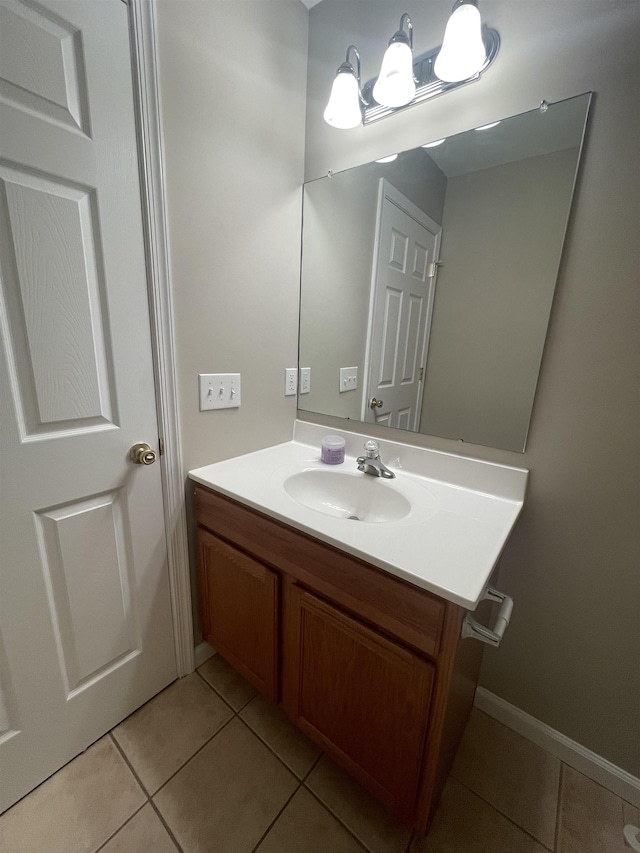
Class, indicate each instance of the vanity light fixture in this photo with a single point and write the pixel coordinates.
(344, 109)
(396, 86)
(463, 51)
(388, 159)
(434, 144)
(467, 51)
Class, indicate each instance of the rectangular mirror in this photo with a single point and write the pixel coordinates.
(427, 282)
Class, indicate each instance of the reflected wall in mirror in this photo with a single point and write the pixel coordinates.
(434, 275)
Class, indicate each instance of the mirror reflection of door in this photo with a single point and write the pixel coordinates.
(406, 252)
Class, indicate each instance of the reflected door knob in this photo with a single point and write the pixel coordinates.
(375, 404)
(142, 454)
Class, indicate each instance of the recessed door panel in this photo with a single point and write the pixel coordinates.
(41, 67)
(411, 344)
(389, 343)
(53, 293)
(87, 563)
(399, 246)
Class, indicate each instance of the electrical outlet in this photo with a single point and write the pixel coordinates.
(219, 391)
(290, 381)
(305, 380)
(348, 379)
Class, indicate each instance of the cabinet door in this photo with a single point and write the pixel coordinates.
(362, 697)
(239, 597)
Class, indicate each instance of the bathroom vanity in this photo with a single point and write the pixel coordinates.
(322, 614)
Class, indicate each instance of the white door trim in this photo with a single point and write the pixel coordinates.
(151, 157)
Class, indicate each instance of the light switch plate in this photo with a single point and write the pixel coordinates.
(219, 391)
(348, 379)
(305, 380)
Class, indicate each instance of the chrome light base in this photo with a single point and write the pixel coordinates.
(428, 85)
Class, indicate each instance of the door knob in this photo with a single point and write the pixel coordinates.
(375, 404)
(142, 454)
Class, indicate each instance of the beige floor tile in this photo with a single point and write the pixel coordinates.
(275, 729)
(230, 685)
(464, 823)
(144, 833)
(365, 817)
(512, 774)
(226, 797)
(591, 818)
(77, 809)
(159, 737)
(307, 827)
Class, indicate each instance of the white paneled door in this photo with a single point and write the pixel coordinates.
(405, 261)
(85, 617)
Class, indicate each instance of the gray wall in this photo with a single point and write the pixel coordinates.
(337, 257)
(233, 78)
(502, 235)
(570, 656)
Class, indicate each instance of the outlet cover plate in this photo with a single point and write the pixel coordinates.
(219, 391)
(305, 380)
(290, 381)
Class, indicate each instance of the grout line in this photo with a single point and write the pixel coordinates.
(166, 825)
(218, 694)
(129, 764)
(191, 757)
(312, 768)
(556, 837)
(273, 822)
(505, 816)
(340, 821)
(128, 820)
(279, 757)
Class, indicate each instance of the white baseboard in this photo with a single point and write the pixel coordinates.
(603, 772)
(202, 653)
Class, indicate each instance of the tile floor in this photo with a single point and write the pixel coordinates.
(208, 766)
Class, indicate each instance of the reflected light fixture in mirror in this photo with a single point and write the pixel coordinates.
(463, 52)
(468, 50)
(396, 86)
(344, 109)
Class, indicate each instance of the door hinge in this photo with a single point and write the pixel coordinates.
(161, 446)
(421, 374)
(433, 268)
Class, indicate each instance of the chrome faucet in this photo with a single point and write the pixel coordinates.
(371, 463)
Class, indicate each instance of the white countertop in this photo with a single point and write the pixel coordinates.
(463, 510)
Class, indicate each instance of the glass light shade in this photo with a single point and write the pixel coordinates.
(395, 85)
(463, 52)
(343, 108)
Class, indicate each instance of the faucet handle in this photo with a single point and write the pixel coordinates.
(371, 449)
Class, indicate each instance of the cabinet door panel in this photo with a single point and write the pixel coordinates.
(240, 611)
(364, 698)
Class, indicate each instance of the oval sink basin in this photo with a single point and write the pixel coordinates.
(359, 497)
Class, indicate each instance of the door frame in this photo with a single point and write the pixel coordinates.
(144, 62)
(386, 190)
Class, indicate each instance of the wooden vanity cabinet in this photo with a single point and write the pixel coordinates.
(371, 668)
(240, 610)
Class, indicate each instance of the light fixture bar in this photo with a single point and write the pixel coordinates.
(428, 85)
